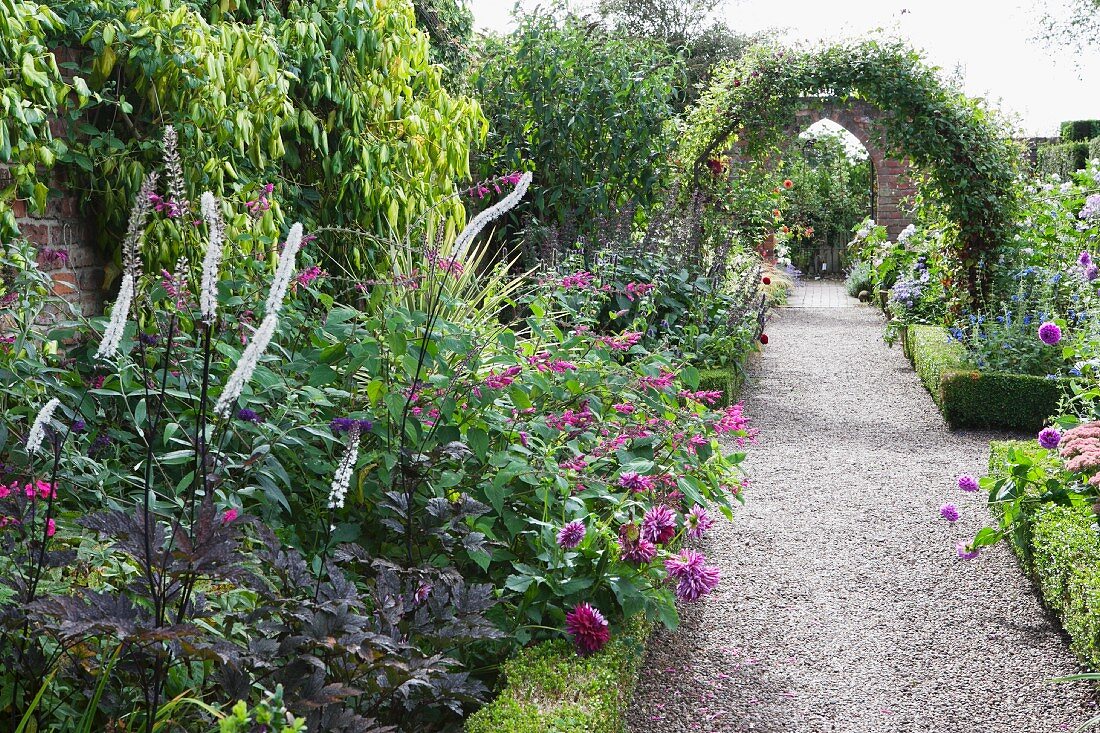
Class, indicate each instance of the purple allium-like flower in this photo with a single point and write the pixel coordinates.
(588, 628)
(1049, 438)
(949, 512)
(968, 483)
(694, 578)
(1049, 333)
(78, 426)
(698, 521)
(1092, 272)
(100, 444)
(633, 548)
(571, 534)
(1084, 259)
(965, 552)
(148, 339)
(659, 525)
(248, 415)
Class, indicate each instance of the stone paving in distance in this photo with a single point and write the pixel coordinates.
(843, 607)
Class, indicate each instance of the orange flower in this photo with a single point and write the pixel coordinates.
(786, 229)
(809, 231)
(777, 213)
(788, 183)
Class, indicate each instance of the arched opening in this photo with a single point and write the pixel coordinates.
(833, 190)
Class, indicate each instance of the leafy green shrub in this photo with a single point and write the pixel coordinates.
(858, 278)
(548, 688)
(585, 109)
(1094, 149)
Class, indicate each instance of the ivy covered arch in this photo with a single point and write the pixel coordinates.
(964, 153)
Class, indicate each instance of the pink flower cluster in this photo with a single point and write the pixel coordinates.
(579, 280)
(633, 547)
(707, 397)
(543, 362)
(620, 342)
(165, 205)
(38, 490)
(638, 290)
(664, 381)
(451, 266)
(503, 379)
(659, 525)
(632, 481)
(305, 277)
(480, 189)
(260, 204)
(572, 419)
(1080, 450)
(734, 421)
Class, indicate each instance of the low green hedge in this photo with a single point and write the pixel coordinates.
(932, 355)
(1062, 556)
(728, 380)
(549, 689)
(969, 398)
(1094, 149)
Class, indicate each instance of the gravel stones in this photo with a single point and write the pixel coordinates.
(843, 606)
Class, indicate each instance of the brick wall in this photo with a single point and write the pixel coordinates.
(66, 247)
(893, 189)
(65, 240)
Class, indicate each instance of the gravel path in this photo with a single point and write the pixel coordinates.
(842, 605)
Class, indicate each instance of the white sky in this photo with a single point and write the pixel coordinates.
(989, 42)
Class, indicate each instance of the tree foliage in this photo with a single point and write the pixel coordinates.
(336, 102)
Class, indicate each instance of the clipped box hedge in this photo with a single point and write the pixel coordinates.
(1062, 556)
(969, 398)
(729, 380)
(549, 689)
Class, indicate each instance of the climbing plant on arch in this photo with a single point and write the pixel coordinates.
(963, 152)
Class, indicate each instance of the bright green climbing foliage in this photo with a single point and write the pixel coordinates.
(963, 150)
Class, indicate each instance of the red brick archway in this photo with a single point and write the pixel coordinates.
(893, 189)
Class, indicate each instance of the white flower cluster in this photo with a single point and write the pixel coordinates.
(211, 263)
(480, 221)
(262, 337)
(38, 427)
(906, 233)
(341, 480)
(112, 336)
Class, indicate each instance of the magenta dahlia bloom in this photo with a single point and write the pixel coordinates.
(1049, 438)
(949, 512)
(659, 525)
(694, 578)
(968, 483)
(588, 628)
(633, 548)
(698, 521)
(965, 551)
(633, 482)
(1049, 333)
(571, 534)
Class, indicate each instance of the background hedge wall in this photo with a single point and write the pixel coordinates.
(1063, 159)
(1080, 130)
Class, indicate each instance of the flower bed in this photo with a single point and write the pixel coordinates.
(1058, 546)
(969, 398)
